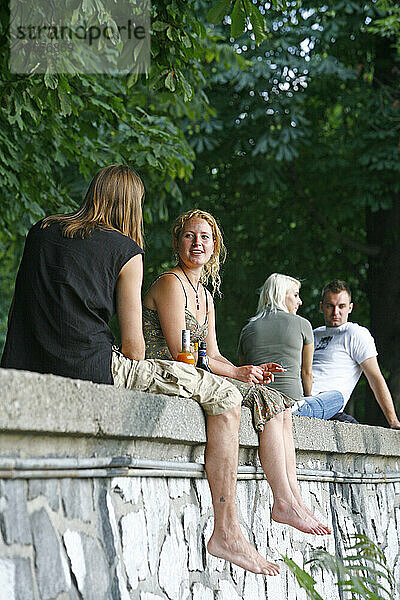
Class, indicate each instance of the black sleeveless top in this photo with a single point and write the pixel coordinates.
(64, 299)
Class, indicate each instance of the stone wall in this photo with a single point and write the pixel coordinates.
(103, 496)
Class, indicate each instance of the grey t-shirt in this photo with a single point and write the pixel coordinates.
(277, 337)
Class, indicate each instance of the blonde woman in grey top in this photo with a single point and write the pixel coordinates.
(277, 334)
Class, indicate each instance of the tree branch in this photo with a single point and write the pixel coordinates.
(366, 249)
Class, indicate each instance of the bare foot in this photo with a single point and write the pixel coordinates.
(324, 528)
(295, 515)
(239, 551)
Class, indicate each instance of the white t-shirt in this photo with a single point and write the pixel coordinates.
(338, 353)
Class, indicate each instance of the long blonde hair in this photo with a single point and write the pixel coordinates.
(211, 269)
(273, 294)
(113, 201)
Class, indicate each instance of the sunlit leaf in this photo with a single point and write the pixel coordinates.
(238, 17)
(218, 11)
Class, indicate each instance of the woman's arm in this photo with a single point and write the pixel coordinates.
(129, 308)
(306, 368)
(221, 365)
(168, 298)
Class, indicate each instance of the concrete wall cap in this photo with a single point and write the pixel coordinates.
(48, 404)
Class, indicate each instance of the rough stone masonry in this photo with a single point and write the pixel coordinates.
(103, 496)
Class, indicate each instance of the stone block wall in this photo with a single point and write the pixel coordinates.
(103, 496)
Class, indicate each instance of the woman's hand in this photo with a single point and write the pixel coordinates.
(272, 367)
(269, 369)
(249, 374)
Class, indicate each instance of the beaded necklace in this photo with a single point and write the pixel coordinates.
(196, 290)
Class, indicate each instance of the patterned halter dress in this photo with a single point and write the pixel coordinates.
(263, 402)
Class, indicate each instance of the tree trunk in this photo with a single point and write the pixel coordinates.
(383, 280)
(383, 291)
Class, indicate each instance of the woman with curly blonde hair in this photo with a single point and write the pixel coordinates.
(178, 300)
(211, 269)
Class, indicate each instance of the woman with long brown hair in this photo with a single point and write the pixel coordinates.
(64, 293)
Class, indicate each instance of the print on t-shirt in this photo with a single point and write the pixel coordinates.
(323, 343)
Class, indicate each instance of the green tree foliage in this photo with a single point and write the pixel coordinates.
(56, 121)
(57, 130)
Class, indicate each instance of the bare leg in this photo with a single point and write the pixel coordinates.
(291, 466)
(272, 452)
(227, 540)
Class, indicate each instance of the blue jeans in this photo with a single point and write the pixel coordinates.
(322, 406)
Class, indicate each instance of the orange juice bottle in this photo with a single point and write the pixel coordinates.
(186, 356)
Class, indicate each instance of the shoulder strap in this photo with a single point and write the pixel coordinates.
(205, 291)
(177, 276)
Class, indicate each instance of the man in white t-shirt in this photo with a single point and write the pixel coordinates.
(344, 350)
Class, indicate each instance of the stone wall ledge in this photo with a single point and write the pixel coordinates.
(103, 495)
(48, 406)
